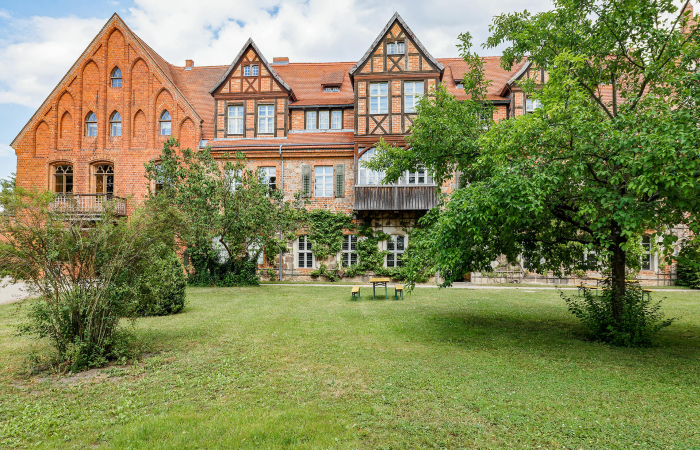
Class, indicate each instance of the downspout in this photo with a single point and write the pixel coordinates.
(282, 189)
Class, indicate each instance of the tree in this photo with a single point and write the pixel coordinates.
(73, 263)
(612, 152)
(224, 208)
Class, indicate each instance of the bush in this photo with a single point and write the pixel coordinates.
(688, 269)
(209, 271)
(639, 321)
(160, 289)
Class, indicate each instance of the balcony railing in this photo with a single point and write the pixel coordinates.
(394, 198)
(88, 204)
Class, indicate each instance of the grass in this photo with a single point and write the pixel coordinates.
(287, 367)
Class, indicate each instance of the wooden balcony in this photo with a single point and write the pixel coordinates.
(394, 198)
(88, 204)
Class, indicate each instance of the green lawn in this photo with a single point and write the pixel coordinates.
(279, 367)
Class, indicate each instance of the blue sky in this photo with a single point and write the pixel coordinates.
(40, 40)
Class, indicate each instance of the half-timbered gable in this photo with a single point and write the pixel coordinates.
(390, 77)
(251, 98)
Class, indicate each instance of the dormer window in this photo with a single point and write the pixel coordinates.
(250, 71)
(459, 85)
(331, 89)
(395, 48)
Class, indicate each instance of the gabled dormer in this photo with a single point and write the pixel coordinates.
(396, 50)
(252, 100)
(520, 101)
(389, 79)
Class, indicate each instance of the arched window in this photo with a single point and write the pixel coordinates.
(63, 179)
(367, 176)
(104, 179)
(165, 123)
(116, 77)
(91, 125)
(115, 124)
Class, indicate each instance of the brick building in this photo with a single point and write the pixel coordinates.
(304, 124)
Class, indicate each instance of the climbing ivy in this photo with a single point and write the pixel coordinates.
(326, 231)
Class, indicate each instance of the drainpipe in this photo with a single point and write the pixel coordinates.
(282, 189)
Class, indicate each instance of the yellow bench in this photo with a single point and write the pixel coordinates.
(398, 288)
(355, 291)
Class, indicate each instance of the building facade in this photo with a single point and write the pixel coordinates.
(306, 126)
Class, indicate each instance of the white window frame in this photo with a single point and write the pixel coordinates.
(115, 124)
(532, 104)
(412, 92)
(395, 256)
(337, 119)
(323, 181)
(324, 120)
(647, 262)
(246, 71)
(396, 48)
(367, 177)
(305, 257)
(233, 179)
(234, 120)
(254, 70)
(328, 89)
(311, 120)
(349, 251)
(420, 177)
(268, 174)
(379, 98)
(267, 120)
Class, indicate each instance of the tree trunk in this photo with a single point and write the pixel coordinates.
(618, 265)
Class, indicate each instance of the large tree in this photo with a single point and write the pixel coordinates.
(227, 211)
(611, 153)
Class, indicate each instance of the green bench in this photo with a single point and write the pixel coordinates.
(398, 288)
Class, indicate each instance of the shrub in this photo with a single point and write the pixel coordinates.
(160, 288)
(688, 269)
(639, 320)
(209, 271)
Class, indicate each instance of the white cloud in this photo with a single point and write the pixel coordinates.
(39, 51)
(6, 151)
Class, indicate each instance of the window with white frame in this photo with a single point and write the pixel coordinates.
(305, 256)
(349, 250)
(165, 124)
(421, 176)
(254, 70)
(378, 98)
(324, 120)
(269, 176)
(115, 124)
(412, 91)
(328, 89)
(235, 120)
(337, 120)
(396, 48)
(459, 85)
(323, 181)
(532, 104)
(310, 120)
(266, 118)
(367, 176)
(646, 252)
(395, 245)
(232, 178)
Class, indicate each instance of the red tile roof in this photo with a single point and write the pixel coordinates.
(307, 79)
(456, 67)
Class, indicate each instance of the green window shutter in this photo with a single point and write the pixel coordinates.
(305, 180)
(339, 180)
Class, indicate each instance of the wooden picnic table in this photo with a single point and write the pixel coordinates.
(379, 282)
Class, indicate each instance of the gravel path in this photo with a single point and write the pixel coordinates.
(10, 293)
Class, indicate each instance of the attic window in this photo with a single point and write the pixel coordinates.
(395, 48)
(331, 89)
(250, 71)
(459, 85)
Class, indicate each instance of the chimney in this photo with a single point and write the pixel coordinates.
(189, 64)
(280, 60)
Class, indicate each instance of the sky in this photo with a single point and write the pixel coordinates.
(40, 40)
